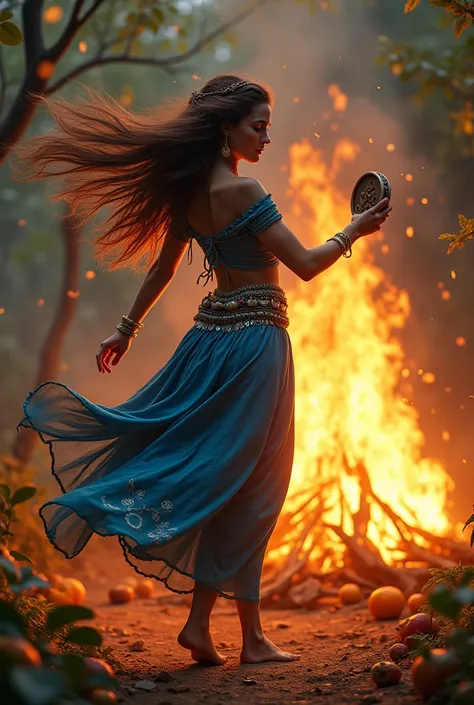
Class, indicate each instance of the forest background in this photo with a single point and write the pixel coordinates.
(409, 81)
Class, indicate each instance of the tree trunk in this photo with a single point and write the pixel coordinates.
(51, 350)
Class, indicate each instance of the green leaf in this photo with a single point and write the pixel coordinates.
(85, 636)
(23, 494)
(38, 686)
(21, 557)
(5, 15)
(5, 491)
(11, 570)
(66, 614)
(75, 666)
(11, 621)
(10, 34)
(443, 601)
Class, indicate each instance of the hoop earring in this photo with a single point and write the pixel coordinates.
(225, 151)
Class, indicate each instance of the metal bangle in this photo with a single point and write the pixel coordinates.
(127, 331)
(126, 319)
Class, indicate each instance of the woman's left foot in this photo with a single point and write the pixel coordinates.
(262, 650)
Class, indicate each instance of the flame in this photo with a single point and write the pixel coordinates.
(349, 369)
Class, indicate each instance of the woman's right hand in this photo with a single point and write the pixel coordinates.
(371, 220)
(117, 345)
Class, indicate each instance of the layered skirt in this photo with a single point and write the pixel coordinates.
(191, 472)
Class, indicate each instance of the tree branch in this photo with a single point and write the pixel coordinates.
(165, 63)
(72, 28)
(31, 15)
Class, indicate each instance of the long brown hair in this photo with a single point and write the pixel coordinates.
(145, 167)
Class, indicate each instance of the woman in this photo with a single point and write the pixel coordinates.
(191, 472)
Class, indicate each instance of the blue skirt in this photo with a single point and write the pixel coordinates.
(190, 473)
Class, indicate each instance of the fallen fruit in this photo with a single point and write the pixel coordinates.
(99, 696)
(59, 597)
(18, 651)
(386, 602)
(145, 588)
(415, 602)
(350, 593)
(398, 651)
(98, 665)
(420, 623)
(385, 673)
(121, 593)
(429, 676)
(75, 588)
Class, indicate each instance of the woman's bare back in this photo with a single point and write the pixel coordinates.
(213, 208)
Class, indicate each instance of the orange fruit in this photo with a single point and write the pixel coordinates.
(386, 602)
(416, 601)
(145, 588)
(75, 588)
(133, 582)
(120, 594)
(350, 593)
(18, 651)
(59, 597)
(428, 677)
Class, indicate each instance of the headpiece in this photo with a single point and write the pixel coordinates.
(198, 95)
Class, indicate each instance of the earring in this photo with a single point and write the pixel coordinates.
(225, 151)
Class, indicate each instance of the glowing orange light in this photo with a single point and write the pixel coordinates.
(385, 249)
(446, 436)
(424, 201)
(371, 140)
(405, 372)
(90, 274)
(445, 295)
(53, 14)
(453, 274)
(390, 148)
(410, 231)
(73, 294)
(461, 341)
(448, 390)
(296, 99)
(22, 222)
(196, 77)
(40, 302)
(410, 201)
(408, 177)
(82, 47)
(2, 311)
(428, 377)
(339, 99)
(45, 69)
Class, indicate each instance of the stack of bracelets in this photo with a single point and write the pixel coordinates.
(129, 327)
(344, 242)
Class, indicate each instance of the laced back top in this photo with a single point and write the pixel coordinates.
(237, 245)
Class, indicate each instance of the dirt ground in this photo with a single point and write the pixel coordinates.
(338, 646)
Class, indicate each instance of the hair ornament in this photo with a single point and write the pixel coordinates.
(198, 95)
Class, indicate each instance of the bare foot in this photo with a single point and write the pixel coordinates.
(200, 644)
(261, 650)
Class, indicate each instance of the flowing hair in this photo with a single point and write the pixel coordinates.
(146, 167)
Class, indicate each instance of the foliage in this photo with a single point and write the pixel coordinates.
(468, 522)
(458, 240)
(451, 600)
(10, 33)
(45, 659)
(21, 528)
(447, 73)
(462, 11)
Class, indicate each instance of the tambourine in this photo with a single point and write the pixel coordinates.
(370, 189)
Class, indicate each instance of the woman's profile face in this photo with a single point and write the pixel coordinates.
(249, 137)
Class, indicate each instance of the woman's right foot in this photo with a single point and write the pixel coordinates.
(199, 643)
(261, 650)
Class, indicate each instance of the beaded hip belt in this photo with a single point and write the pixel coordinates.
(255, 305)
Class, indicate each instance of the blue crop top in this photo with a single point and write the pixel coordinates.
(237, 246)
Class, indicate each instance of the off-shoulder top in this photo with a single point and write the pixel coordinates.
(237, 245)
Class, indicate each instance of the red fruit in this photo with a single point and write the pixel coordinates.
(386, 673)
(428, 677)
(398, 651)
(98, 665)
(420, 623)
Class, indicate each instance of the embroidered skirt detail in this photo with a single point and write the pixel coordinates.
(190, 473)
(254, 305)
